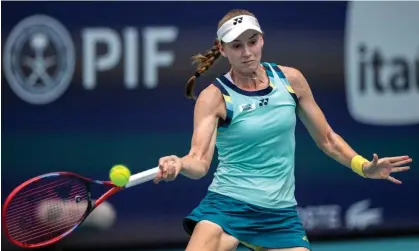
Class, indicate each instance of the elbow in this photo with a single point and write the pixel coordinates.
(327, 142)
(203, 170)
(193, 167)
(198, 174)
(201, 174)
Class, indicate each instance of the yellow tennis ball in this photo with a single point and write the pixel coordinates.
(119, 175)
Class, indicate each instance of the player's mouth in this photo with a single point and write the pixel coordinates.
(248, 61)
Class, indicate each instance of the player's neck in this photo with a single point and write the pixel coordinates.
(249, 81)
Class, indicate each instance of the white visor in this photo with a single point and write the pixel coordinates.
(234, 27)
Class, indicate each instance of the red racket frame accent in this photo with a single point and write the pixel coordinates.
(114, 189)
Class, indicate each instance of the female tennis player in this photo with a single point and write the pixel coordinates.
(250, 115)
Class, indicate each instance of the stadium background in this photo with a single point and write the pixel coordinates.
(87, 131)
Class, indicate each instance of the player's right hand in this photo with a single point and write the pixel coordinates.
(170, 167)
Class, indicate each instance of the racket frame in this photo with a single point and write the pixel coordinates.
(134, 180)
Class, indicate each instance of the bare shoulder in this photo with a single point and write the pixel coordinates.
(294, 76)
(210, 100)
(297, 80)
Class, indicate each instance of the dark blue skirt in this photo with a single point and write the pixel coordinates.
(252, 225)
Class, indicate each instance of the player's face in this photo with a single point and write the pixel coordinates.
(245, 52)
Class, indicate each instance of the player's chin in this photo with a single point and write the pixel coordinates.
(250, 66)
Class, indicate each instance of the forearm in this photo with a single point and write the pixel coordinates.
(337, 148)
(193, 168)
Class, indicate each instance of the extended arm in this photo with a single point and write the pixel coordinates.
(208, 109)
(196, 163)
(330, 142)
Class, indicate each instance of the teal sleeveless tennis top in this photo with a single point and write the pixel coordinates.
(256, 142)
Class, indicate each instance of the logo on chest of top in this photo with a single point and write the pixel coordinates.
(250, 107)
(263, 102)
(247, 107)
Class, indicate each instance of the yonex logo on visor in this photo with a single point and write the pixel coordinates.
(234, 27)
(237, 20)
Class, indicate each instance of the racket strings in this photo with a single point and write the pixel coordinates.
(46, 209)
(48, 231)
(28, 191)
(54, 209)
(47, 192)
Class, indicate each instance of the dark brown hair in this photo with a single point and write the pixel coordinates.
(204, 61)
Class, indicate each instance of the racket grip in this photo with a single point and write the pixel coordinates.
(142, 177)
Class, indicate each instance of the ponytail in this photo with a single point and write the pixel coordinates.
(203, 64)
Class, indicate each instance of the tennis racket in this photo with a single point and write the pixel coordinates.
(45, 209)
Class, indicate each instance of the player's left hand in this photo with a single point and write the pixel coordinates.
(382, 168)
